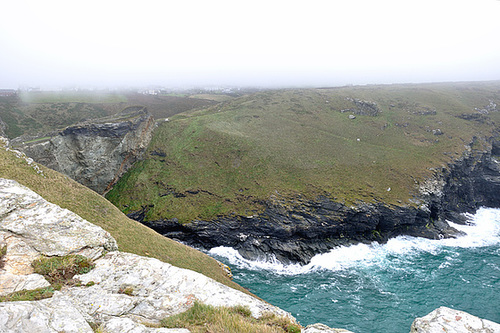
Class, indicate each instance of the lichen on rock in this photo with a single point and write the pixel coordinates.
(445, 319)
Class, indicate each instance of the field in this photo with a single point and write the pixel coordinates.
(368, 143)
(47, 97)
(38, 113)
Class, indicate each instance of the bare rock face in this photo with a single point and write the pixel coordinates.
(123, 293)
(126, 325)
(320, 328)
(56, 314)
(3, 126)
(140, 288)
(31, 227)
(445, 319)
(97, 153)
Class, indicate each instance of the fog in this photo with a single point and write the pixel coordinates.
(53, 44)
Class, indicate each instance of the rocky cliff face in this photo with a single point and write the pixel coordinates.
(97, 153)
(471, 182)
(124, 292)
(31, 227)
(294, 230)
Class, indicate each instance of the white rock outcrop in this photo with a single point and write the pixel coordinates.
(123, 293)
(31, 227)
(445, 319)
(321, 328)
(140, 288)
(56, 314)
(126, 325)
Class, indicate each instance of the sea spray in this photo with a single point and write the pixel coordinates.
(383, 287)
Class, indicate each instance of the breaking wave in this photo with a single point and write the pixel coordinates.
(383, 287)
(482, 230)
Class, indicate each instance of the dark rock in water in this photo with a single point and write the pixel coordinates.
(94, 153)
(294, 230)
(297, 234)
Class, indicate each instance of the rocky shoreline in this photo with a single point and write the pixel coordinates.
(294, 230)
(124, 292)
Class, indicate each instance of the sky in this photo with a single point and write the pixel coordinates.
(107, 43)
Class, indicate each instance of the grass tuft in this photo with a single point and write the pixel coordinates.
(96, 328)
(3, 252)
(60, 270)
(28, 295)
(126, 290)
(202, 318)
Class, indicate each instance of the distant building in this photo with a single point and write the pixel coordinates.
(150, 92)
(7, 92)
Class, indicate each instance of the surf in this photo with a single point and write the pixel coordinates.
(383, 287)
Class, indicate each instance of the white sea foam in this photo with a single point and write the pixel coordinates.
(274, 265)
(484, 230)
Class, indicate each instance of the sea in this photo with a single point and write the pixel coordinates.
(368, 288)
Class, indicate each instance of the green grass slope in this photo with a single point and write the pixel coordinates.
(231, 157)
(130, 235)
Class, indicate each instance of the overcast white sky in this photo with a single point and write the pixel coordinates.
(273, 42)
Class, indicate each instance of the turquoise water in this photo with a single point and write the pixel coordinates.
(383, 288)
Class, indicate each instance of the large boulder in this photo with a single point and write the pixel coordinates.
(445, 319)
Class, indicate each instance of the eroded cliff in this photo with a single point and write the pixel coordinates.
(94, 153)
(294, 230)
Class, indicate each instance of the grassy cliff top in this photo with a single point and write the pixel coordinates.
(230, 157)
(130, 235)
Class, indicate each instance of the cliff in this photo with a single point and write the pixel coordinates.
(130, 235)
(287, 174)
(3, 126)
(294, 230)
(120, 292)
(95, 153)
(42, 246)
